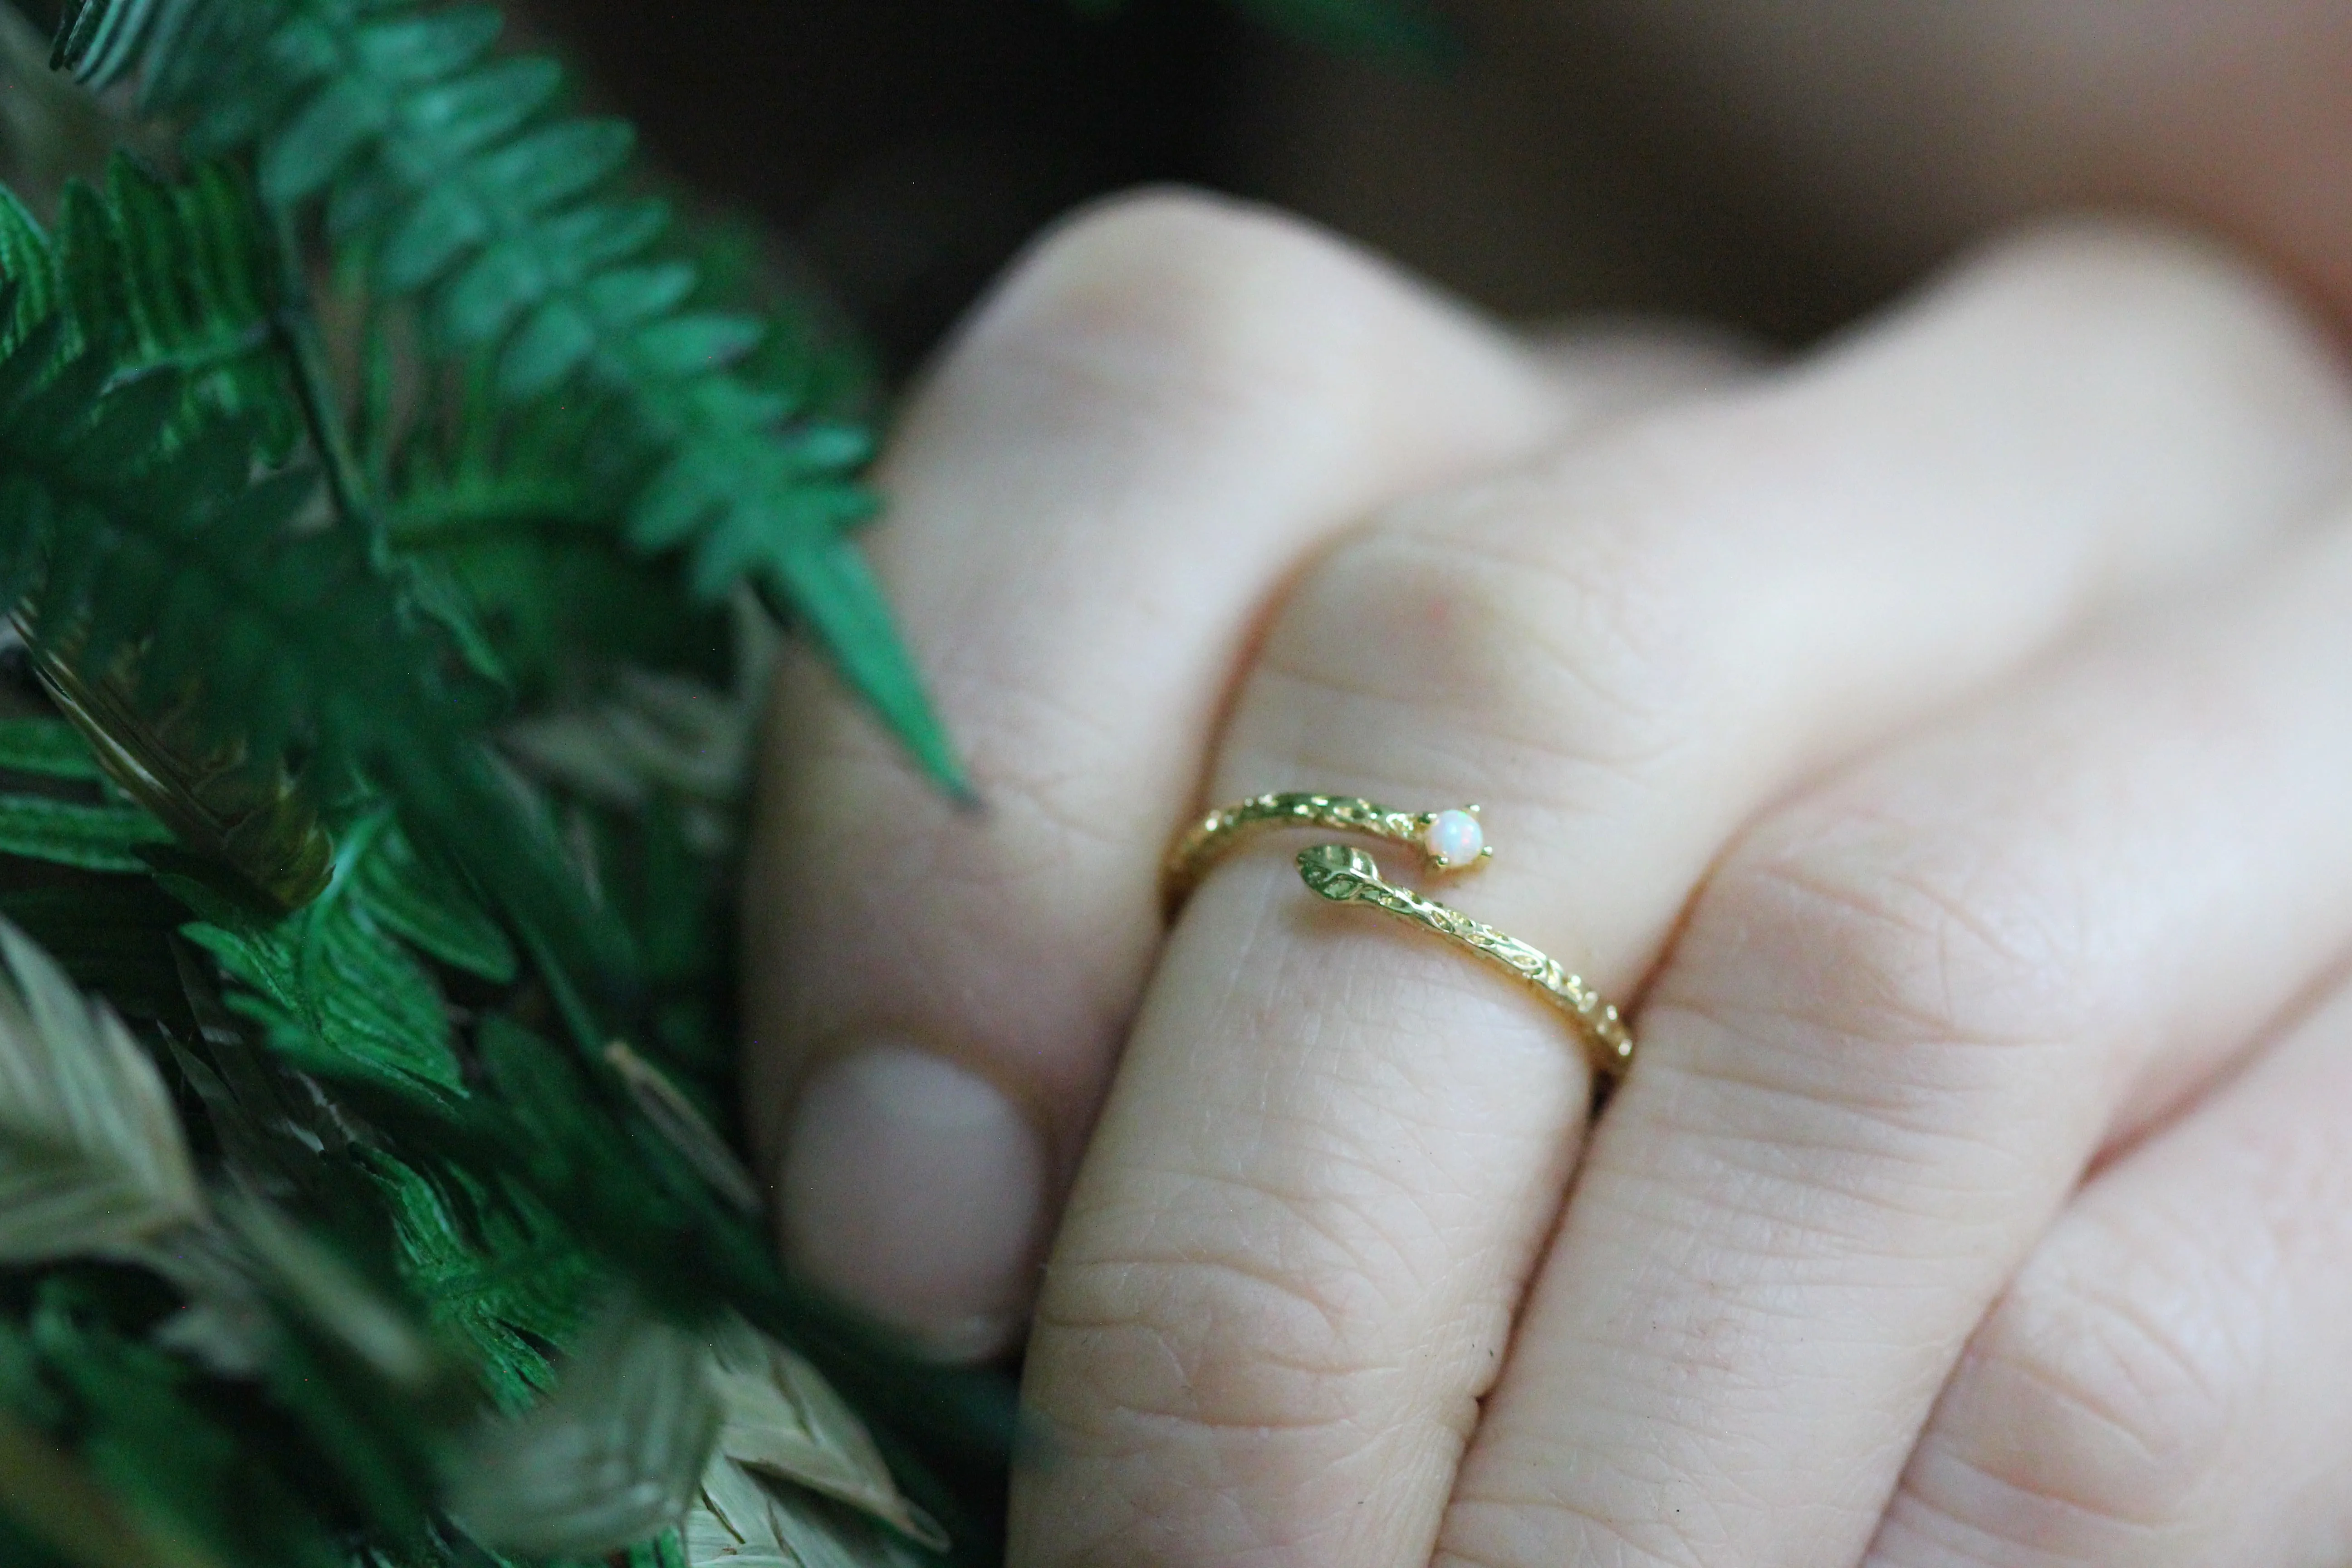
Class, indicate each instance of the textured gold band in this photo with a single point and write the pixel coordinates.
(1347, 876)
(1447, 841)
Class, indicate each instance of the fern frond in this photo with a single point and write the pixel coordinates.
(451, 745)
(29, 267)
(291, 639)
(448, 170)
(179, 274)
(68, 833)
(91, 1155)
(331, 992)
(47, 748)
(211, 796)
(502, 1276)
(610, 1460)
(104, 42)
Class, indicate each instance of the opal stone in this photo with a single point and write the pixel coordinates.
(1454, 839)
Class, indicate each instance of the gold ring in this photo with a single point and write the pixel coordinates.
(1448, 840)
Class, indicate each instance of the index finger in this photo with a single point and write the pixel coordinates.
(1166, 407)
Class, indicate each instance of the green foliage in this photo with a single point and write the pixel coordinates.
(140, 540)
(47, 747)
(179, 274)
(389, 492)
(500, 1277)
(331, 991)
(415, 899)
(151, 1441)
(610, 1458)
(94, 837)
(450, 174)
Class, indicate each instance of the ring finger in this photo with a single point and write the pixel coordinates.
(1902, 1018)
(1293, 1255)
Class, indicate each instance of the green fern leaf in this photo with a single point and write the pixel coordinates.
(484, 300)
(178, 273)
(422, 904)
(177, 267)
(332, 991)
(368, 1037)
(495, 195)
(249, 818)
(67, 833)
(26, 263)
(290, 635)
(48, 747)
(387, 112)
(622, 415)
(501, 1276)
(106, 42)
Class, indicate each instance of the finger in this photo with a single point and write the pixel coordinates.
(1901, 1019)
(1625, 366)
(2164, 1384)
(1132, 443)
(1286, 1272)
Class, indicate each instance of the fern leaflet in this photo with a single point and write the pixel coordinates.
(449, 172)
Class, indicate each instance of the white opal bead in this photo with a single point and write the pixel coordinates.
(1454, 839)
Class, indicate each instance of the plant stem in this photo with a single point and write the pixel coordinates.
(296, 325)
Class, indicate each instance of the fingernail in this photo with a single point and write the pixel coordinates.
(911, 1189)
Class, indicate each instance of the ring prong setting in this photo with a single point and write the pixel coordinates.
(1455, 839)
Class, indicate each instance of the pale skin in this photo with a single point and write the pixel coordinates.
(1937, 741)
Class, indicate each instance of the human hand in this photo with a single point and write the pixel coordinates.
(1939, 734)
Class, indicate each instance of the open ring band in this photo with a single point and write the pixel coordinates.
(1348, 876)
(1447, 840)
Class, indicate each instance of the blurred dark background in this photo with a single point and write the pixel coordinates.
(910, 146)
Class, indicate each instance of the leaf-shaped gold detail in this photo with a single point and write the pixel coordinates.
(1346, 875)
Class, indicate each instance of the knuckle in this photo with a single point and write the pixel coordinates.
(2090, 1417)
(1550, 646)
(1889, 975)
(2126, 269)
(1584, 617)
(1909, 933)
(1532, 1527)
(2148, 288)
(1187, 304)
(1174, 1324)
(1202, 1344)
